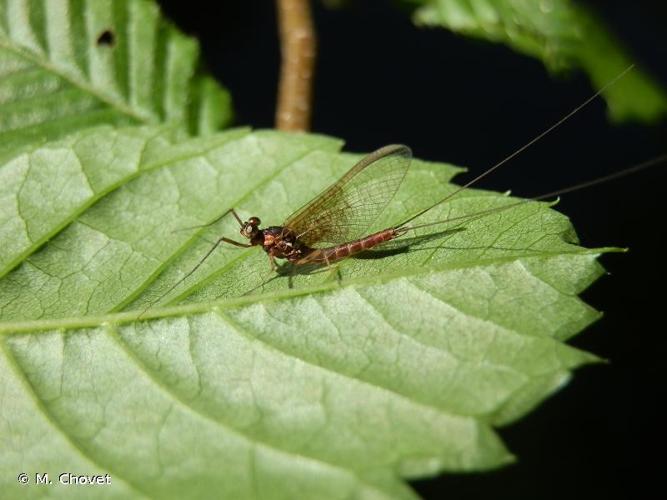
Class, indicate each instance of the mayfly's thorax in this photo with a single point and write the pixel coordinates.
(281, 243)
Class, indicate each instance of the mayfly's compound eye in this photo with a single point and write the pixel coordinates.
(249, 227)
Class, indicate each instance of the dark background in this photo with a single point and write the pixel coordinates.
(381, 80)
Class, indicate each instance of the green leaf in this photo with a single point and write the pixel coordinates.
(68, 64)
(564, 35)
(243, 383)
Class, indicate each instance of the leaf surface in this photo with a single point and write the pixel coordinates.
(244, 383)
(69, 64)
(564, 35)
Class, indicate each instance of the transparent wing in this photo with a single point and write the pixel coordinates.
(346, 209)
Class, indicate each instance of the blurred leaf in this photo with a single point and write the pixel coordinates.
(69, 64)
(564, 35)
(241, 383)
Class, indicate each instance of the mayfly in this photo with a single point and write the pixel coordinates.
(338, 216)
(333, 226)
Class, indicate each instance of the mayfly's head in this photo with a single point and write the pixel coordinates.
(250, 228)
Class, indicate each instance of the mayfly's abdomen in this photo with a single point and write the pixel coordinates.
(332, 254)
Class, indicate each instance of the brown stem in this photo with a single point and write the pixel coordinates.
(298, 48)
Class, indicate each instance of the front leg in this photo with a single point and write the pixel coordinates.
(230, 211)
(235, 243)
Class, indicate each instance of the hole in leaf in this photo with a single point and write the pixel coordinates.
(106, 39)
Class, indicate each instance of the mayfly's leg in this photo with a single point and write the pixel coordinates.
(231, 242)
(333, 269)
(236, 216)
(230, 211)
(191, 272)
(272, 275)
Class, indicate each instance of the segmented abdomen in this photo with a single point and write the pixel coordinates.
(332, 254)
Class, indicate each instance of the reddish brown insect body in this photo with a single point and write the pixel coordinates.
(280, 243)
(333, 254)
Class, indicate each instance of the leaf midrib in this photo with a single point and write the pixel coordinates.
(119, 318)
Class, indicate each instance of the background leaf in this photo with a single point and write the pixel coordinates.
(249, 384)
(68, 64)
(564, 35)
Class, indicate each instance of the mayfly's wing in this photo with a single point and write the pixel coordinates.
(346, 210)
